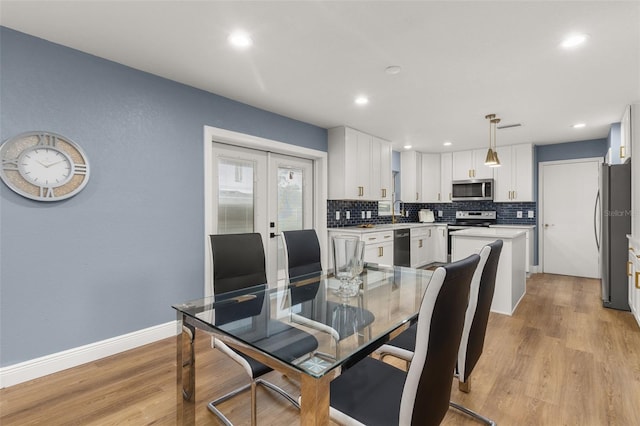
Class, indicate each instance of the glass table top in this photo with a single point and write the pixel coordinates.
(346, 328)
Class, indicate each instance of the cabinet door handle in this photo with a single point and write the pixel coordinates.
(417, 196)
(384, 192)
(638, 280)
(443, 232)
(380, 251)
(622, 153)
(515, 195)
(438, 196)
(419, 243)
(372, 238)
(429, 231)
(360, 191)
(387, 236)
(449, 196)
(629, 269)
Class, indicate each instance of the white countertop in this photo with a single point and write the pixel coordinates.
(507, 233)
(513, 226)
(386, 227)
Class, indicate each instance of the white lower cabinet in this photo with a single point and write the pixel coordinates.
(439, 242)
(420, 246)
(633, 272)
(528, 241)
(378, 248)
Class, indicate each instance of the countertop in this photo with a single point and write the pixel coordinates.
(505, 233)
(512, 225)
(387, 227)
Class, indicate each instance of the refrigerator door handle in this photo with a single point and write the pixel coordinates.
(595, 221)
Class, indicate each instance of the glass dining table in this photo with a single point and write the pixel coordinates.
(347, 329)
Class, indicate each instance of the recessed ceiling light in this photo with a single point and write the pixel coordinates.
(393, 70)
(362, 100)
(574, 40)
(578, 125)
(407, 147)
(447, 143)
(240, 39)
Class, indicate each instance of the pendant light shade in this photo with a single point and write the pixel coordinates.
(492, 159)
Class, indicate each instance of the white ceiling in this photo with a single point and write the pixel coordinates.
(460, 60)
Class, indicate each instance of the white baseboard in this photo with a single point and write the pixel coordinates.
(48, 364)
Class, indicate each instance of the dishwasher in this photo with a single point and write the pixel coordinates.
(402, 247)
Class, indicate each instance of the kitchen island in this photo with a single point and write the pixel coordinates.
(511, 275)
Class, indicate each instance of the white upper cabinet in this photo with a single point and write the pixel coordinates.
(410, 176)
(431, 191)
(446, 164)
(470, 165)
(358, 166)
(514, 178)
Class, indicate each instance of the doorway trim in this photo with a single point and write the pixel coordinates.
(217, 135)
(541, 199)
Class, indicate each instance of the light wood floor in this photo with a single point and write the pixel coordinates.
(562, 359)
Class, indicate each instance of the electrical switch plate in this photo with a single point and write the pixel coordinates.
(363, 214)
(530, 214)
(338, 215)
(439, 213)
(368, 214)
(518, 215)
(348, 214)
(406, 213)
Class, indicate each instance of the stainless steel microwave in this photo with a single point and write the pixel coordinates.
(472, 190)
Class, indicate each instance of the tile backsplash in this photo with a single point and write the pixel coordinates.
(507, 212)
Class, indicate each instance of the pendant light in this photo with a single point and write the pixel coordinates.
(492, 153)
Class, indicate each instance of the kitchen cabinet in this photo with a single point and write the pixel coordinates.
(633, 273)
(439, 244)
(446, 165)
(514, 178)
(470, 165)
(420, 246)
(359, 165)
(411, 176)
(421, 178)
(378, 246)
(430, 188)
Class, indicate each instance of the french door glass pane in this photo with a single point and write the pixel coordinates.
(290, 207)
(235, 196)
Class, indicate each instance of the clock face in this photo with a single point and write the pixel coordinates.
(43, 166)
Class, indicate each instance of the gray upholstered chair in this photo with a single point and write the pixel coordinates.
(475, 326)
(373, 392)
(239, 265)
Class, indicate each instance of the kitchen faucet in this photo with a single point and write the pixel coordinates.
(393, 210)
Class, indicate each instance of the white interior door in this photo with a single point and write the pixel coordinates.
(569, 194)
(290, 207)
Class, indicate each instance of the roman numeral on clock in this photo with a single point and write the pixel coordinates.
(80, 169)
(46, 192)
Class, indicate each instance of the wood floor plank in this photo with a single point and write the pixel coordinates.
(561, 359)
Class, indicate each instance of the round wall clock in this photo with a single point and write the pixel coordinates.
(43, 166)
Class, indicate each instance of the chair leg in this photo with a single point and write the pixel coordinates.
(473, 414)
(252, 387)
(464, 386)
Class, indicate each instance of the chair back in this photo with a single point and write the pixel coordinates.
(478, 315)
(425, 397)
(238, 262)
(303, 253)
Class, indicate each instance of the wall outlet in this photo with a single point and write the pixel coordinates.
(439, 213)
(518, 215)
(530, 214)
(363, 214)
(337, 215)
(368, 214)
(348, 214)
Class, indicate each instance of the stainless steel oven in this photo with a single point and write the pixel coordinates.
(470, 219)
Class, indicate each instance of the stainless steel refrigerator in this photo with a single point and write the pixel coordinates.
(615, 197)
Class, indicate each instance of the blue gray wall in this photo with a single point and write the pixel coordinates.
(112, 259)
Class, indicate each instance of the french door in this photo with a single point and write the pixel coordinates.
(263, 192)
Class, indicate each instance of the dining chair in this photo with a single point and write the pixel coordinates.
(302, 250)
(475, 326)
(239, 264)
(373, 392)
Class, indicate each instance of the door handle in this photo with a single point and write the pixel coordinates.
(273, 235)
(595, 223)
(629, 269)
